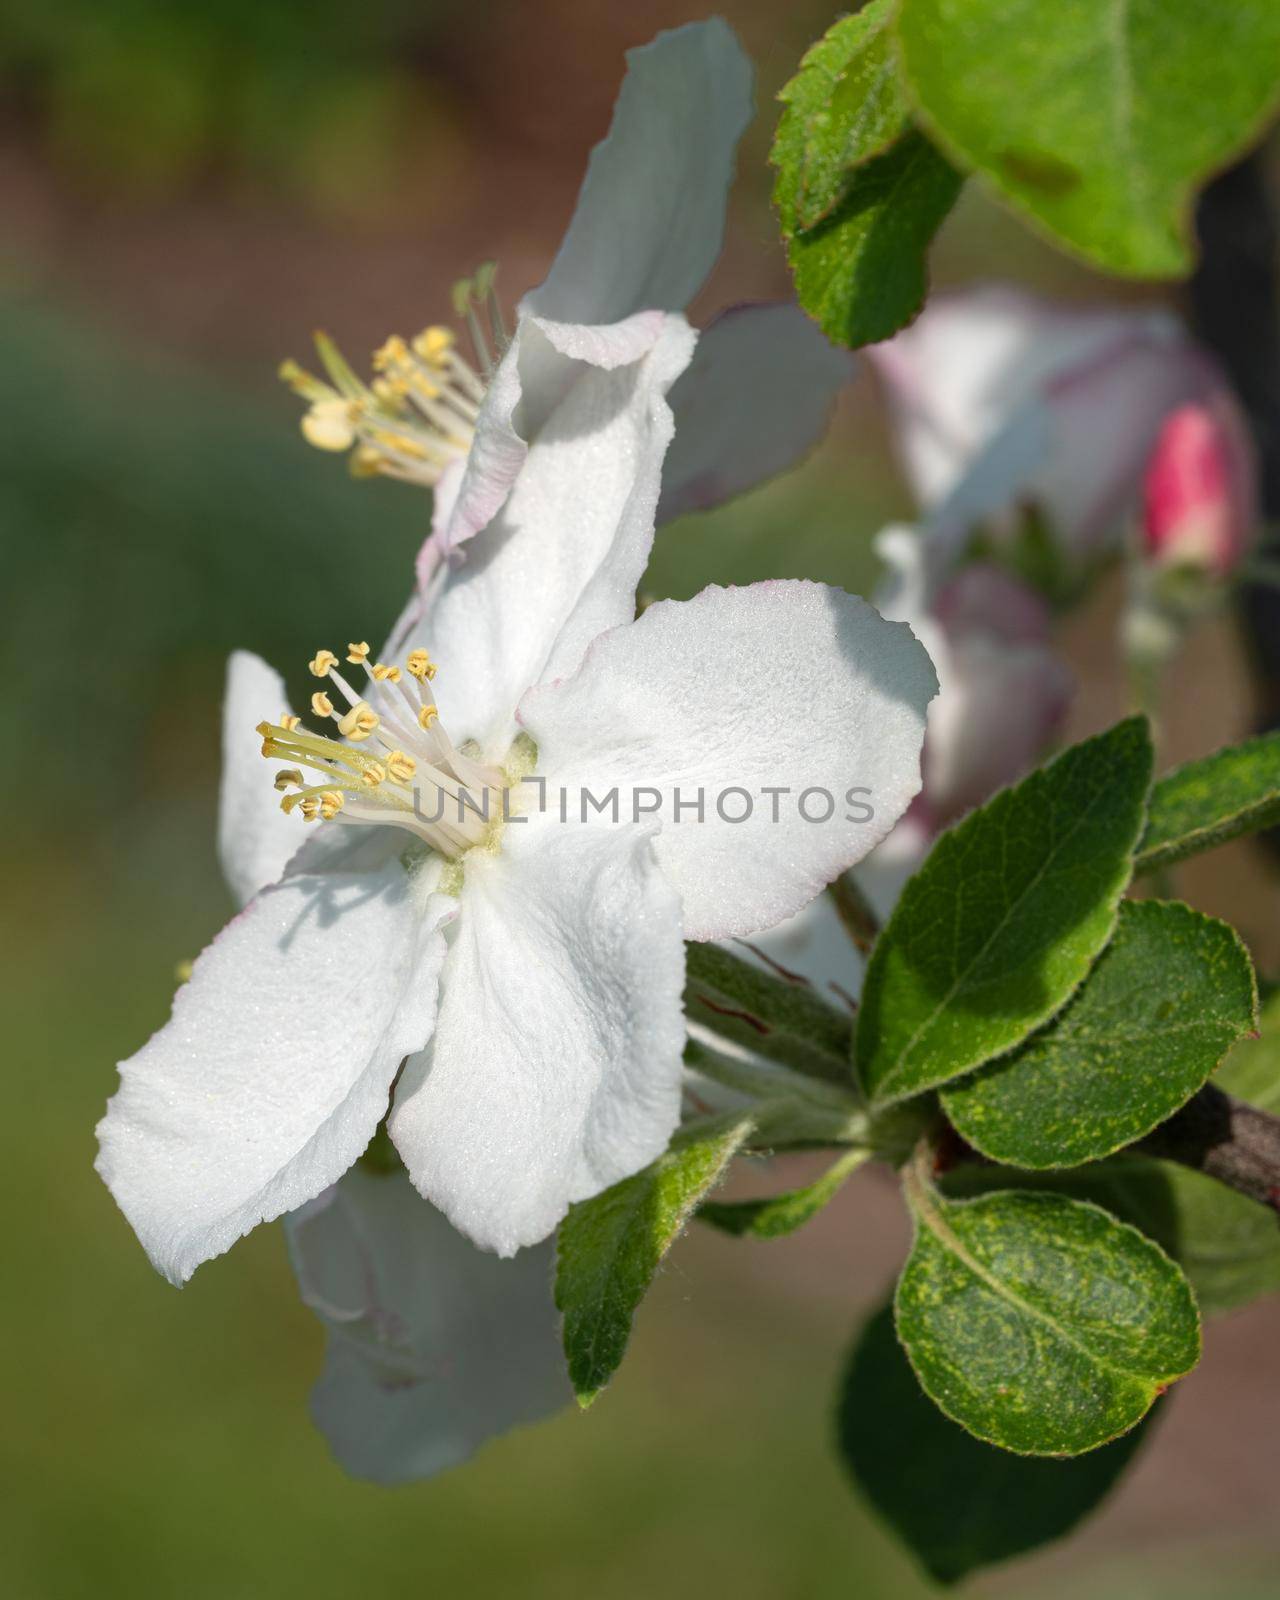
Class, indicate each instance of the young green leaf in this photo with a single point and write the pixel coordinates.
(1227, 1244)
(1166, 1000)
(786, 1020)
(781, 1214)
(1205, 803)
(843, 106)
(1040, 1324)
(1004, 918)
(861, 273)
(1252, 1070)
(609, 1248)
(956, 1503)
(1096, 120)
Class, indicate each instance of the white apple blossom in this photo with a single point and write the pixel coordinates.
(432, 1345)
(1000, 399)
(646, 232)
(551, 1066)
(1003, 690)
(1002, 696)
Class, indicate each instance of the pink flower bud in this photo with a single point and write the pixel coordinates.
(1198, 489)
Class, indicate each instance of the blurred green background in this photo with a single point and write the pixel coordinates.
(187, 192)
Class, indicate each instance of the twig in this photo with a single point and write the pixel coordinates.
(1226, 1139)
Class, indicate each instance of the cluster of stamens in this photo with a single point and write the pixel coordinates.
(393, 763)
(418, 413)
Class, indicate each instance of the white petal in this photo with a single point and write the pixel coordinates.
(274, 1070)
(497, 451)
(646, 232)
(255, 838)
(1107, 418)
(650, 217)
(813, 944)
(433, 1346)
(1003, 692)
(973, 359)
(1001, 396)
(883, 875)
(791, 685)
(995, 717)
(554, 1070)
(757, 397)
(562, 559)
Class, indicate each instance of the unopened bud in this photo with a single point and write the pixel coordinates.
(1198, 491)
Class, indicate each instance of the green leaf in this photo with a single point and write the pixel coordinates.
(956, 1503)
(1252, 1070)
(781, 1214)
(860, 274)
(609, 1248)
(1041, 1324)
(1004, 918)
(1227, 1244)
(1205, 803)
(1095, 120)
(843, 106)
(784, 1019)
(1166, 1000)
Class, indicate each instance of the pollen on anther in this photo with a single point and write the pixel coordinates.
(372, 775)
(433, 345)
(289, 722)
(386, 674)
(288, 778)
(321, 704)
(400, 766)
(357, 653)
(421, 665)
(321, 663)
(427, 716)
(359, 722)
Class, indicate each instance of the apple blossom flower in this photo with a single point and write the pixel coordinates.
(1000, 399)
(1002, 697)
(432, 1345)
(524, 966)
(1199, 491)
(645, 234)
(1002, 689)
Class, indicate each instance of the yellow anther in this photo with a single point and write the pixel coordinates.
(359, 722)
(433, 345)
(372, 775)
(427, 716)
(321, 704)
(390, 392)
(366, 462)
(331, 802)
(421, 666)
(329, 424)
(400, 766)
(321, 662)
(386, 674)
(310, 807)
(357, 653)
(393, 353)
(289, 722)
(288, 778)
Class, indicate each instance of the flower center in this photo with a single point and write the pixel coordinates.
(417, 415)
(394, 763)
